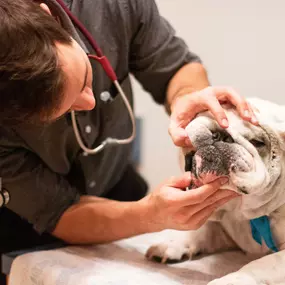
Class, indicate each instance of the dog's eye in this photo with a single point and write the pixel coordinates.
(257, 143)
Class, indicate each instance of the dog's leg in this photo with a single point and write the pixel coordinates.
(180, 244)
(268, 270)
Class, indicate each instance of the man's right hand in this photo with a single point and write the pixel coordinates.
(169, 207)
(97, 220)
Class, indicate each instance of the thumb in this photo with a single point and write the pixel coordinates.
(180, 182)
(179, 136)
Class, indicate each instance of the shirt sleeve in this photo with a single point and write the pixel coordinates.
(156, 53)
(37, 194)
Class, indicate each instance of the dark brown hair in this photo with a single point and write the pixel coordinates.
(31, 80)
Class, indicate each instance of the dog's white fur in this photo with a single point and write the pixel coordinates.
(229, 227)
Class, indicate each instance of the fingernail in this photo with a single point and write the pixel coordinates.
(224, 180)
(254, 120)
(246, 113)
(225, 123)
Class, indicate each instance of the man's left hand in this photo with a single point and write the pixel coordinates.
(185, 107)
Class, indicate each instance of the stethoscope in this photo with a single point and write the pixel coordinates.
(101, 59)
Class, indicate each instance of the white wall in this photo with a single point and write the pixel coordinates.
(242, 44)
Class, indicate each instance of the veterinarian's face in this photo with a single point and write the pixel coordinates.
(78, 94)
(248, 155)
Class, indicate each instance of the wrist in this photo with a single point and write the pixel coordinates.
(174, 97)
(149, 211)
(146, 216)
(190, 78)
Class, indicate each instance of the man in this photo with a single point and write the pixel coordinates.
(57, 192)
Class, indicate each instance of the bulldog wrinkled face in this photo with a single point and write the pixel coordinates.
(249, 156)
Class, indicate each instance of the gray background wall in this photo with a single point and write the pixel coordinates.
(242, 45)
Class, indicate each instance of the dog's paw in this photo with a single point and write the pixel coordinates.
(235, 279)
(169, 252)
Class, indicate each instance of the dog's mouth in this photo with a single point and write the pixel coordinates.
(212, 162)
(189, 161)
(206, 165)
(202, 169)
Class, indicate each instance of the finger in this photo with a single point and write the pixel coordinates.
(180, 182)
(213, 199)
(244, 109)
(233, 97)
(201, 217)
(200, 194)
(254, 110)
(251, 118)
(218, 112)
(179, 135)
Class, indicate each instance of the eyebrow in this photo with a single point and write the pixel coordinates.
(85, 76)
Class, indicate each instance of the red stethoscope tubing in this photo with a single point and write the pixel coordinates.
(100, 57)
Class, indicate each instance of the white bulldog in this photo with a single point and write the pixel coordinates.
(253, 158)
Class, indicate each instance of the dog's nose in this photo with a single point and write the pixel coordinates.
(210, 160)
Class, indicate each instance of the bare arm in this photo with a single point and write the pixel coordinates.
(99, 220)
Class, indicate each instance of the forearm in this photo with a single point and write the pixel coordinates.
(191, 77)
(97, 220)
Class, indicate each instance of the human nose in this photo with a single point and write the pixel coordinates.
(85, 101)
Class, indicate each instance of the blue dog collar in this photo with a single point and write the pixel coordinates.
(260, 229)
